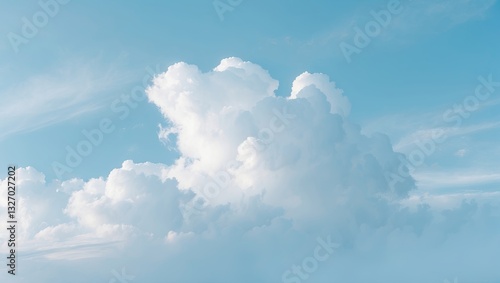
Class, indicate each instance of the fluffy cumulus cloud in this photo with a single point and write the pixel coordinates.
(266, 189)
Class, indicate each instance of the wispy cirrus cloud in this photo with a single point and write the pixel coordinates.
(65, 93)
(409, 141)
(416, 18)
(456, 179)
(442, 14)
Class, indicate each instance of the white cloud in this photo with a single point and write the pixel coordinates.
(301, 87)
(258, 180)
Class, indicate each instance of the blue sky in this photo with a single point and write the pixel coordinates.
(84, 42)
(73, 72)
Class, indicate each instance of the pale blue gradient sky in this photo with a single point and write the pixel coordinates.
(420, 63)
(73, 72)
